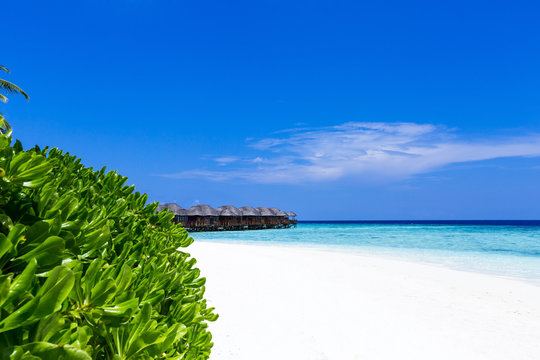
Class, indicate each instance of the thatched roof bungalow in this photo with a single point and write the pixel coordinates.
(229, 210)
(229, 215)
(291, 214)
(202, 210)
(268, 216)
(202, 214)
(249, 211)
(266, 212)
(280, 216)
(278, 212)
(250, 215)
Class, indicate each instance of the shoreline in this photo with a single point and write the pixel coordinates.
(406, 255)
(290, 302)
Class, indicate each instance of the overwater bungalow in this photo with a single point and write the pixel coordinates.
(202, 215)
(250, 216)
(291, 215)
(281, 216)
(228, 217)
(269, 218)
(291, 218)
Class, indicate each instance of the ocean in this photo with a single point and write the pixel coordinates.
(503, 248)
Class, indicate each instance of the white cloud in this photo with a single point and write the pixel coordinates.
(364, 150)
(225, 160)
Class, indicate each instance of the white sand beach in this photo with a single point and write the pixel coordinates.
(293, 303)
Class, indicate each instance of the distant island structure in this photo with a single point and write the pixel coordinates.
(228, 217)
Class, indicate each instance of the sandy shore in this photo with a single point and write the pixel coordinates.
(293, 303)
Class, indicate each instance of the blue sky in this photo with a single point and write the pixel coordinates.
(333, 109)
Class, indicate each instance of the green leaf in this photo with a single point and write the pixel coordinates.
(176, 332)
(92, 275)
(54, 291)
(35, 173)
(155, 297)
(188, 312)
(19, 316)
(16, 353)
(6, 221)
(18, 160)
(48, 351)
(48, 300)
(37, 232)
(49, 326)
(5, 244)
(65, 205)
(103, 290)
(29, 169)
(55, 225)
(16, 234)
(5, 283)
(123, 279)
(47, 252)
(22, 282)
(93, 241)
(139, 323)
(47, 192)
(118, 312)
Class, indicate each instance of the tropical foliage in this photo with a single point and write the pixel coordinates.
(88, 270)
(7, 87)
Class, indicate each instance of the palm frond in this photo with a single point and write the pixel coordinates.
(3, 68)
(5, 127)
(3, 98)
(11, 88)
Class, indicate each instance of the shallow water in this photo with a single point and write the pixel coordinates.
(504, 250)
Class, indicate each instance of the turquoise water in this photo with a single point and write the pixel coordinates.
(505, 250)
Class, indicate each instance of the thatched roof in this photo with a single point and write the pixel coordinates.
(278, 212)
(228, 210)
(266, 211)
(225, 210)
(175, 208)
(249, 211)
(202, 210)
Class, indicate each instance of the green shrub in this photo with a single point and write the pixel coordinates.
(88, 270)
